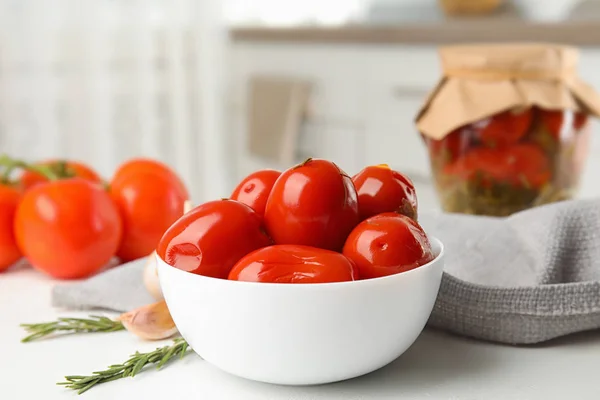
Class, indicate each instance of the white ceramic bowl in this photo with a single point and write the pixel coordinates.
(302, 334)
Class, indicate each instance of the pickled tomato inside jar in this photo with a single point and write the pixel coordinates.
(510, 161)
(503, 129)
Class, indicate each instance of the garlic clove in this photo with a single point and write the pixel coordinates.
(150, 277)
(150, 322)
(187, 206)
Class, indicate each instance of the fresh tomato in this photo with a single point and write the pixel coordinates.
(522, 165)
(68, 228)
(387, 244)
(62, 169)
(254, 190)
(312, 204)
(505, 128)
(212, 237)
(554, 120)
(381, 189)
(290, 263)
(9, 251)
(150, 197)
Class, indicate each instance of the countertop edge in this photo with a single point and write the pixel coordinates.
(576, 33)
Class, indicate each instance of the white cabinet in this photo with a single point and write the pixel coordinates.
(342, 144)
(364, 102)
(337, 75)
(398, 80)
(335, 124)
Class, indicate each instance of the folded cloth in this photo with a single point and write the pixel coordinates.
(119, 289)
(526, 278)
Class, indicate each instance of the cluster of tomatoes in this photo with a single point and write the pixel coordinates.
(69, 223)
(309, 224)
(510, 147)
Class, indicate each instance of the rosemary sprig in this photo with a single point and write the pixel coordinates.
(129, 368)
(71, 325)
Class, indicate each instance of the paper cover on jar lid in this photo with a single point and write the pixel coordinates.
(481, 80)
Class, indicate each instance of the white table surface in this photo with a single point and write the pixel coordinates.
(437, 366)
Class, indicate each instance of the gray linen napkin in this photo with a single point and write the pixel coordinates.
(119, 289)
(527, 278)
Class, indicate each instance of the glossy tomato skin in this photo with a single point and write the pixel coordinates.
(312, 204)
(518, 165)
(505, 128)
(212, 237)
(451, 146)
(387, 244)
(290, 263)
(554, 121)
(9, 250)
(381, 189)
(150, 197)
(67, 168)
(68, 228)
(254, 190)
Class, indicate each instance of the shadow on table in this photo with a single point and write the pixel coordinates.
(436, 361)
(436, 357)
(576, 339)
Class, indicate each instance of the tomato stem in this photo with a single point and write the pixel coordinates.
(309, 159)
(11, 164)
(61, 169)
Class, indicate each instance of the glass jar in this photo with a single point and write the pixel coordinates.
(506, 126)
(510, 161)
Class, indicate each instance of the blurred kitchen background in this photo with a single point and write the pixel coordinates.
(219, 88)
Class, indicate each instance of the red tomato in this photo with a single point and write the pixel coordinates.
(387, 244)
(291, 263)
(381, 189)
(451, 146)
(312, 204)
(254, 190)
(505, 128)
(520, 165)
(68, 228)
(150, 198)
(63, 169)
(212, 237)
(580, 120)
(9, 251)
(553, 120)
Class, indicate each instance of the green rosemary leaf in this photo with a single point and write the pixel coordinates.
(134, 365)
(72, 377)
(167, 357)
(88, 386)
(184, 349)
(71, 325)
(141, 363)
